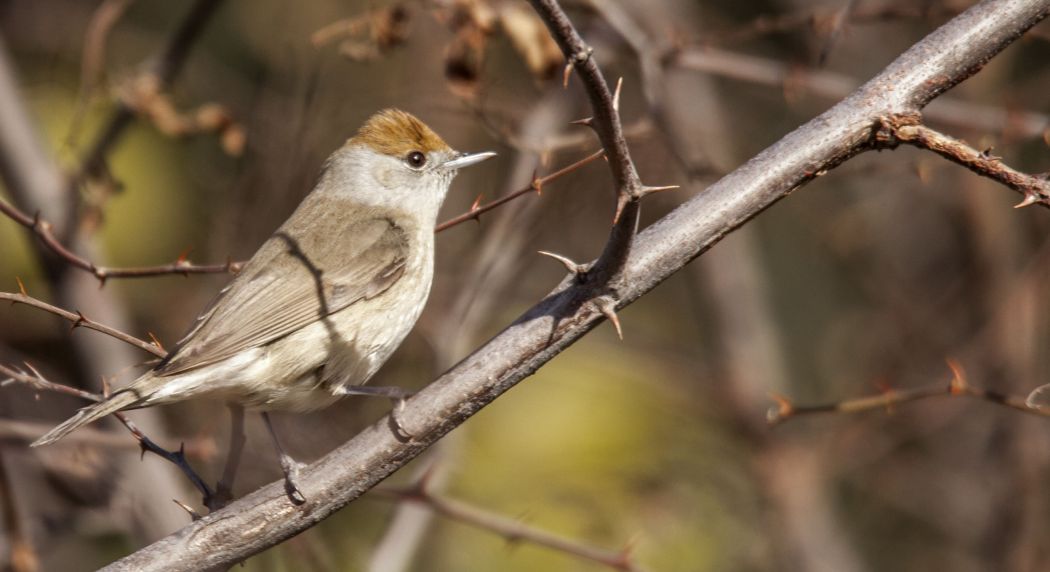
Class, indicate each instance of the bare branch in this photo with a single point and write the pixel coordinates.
(78, 320)
(909, 129)
(786, 410)
(512, 530)
(536, 186)
(45, 233)
(606, 123)
(266, 517)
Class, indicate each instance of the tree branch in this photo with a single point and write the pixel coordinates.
(266, 517)
(909, 129)
(957, 386)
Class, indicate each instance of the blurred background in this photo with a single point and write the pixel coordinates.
(865, 281)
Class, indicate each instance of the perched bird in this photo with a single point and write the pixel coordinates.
(328, 297)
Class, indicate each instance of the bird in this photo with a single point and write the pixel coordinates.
(328, 297)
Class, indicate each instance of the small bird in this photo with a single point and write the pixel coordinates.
(326, 300)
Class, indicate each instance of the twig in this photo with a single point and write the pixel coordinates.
(796, 80)
(786, 410)
(44, 231)
(908, 129)
(606, 123)
(512, 530)
(177, 458)
(78, 320)
(165, 67)
(536, 186)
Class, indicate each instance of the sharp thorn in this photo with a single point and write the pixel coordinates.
(189, 510)
(586, 122)
(616, 95)
(607, 307)
(570, 265)
(781, 411)
(646, 190)
(156, 342)
(957, 385)
(621, 204)
(476, 203)
(1029, 199)
(21, 286)
(566, 75)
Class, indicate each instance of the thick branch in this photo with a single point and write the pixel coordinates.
(266, 517)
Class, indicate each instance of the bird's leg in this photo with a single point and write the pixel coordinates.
(224, 488)
(397, 395)
(289, 465)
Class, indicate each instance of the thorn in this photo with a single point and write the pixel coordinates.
(156, 342)
(586, 122)
(621, 203)
(781, 411)
(1038, 399)
(565, 75)
(105, 387)
(607, 307)
(193, 514)
(574, 268)
(183, 258)
(957, 385)
(987, 154)
(477, 201)
(21, 286)
(1029, 199)
(647, 190)
(616, 95)
(80, 321)
(537, 183)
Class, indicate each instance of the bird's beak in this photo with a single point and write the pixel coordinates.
(467, 159)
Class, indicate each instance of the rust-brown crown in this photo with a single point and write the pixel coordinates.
(397, 133)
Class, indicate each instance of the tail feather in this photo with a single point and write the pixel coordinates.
(88, 414)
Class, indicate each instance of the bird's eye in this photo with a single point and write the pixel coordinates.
(416, 159)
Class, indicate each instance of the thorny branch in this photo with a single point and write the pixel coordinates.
(79, 320)
(957, 386)
(606, 124)
(512, 530)
(536, 186)
(37, 381)
(265, 517)
(908, 129)
(45, 233)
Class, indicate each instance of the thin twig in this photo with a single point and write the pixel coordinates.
(178, 458)
(44, 232)
(510, 529)
(165, 67)
(785, 409)
(78, 320)
(536, 186)
(907, 128)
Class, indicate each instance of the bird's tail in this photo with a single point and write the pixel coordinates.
(115, 403)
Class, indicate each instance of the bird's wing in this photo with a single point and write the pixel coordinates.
(289, 284)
